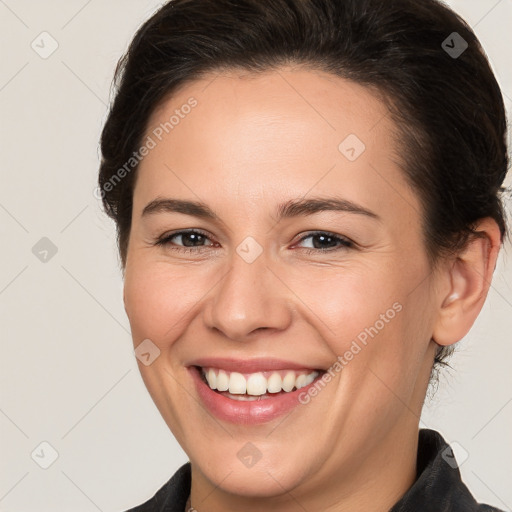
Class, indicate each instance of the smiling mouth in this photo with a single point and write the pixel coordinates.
(258, 385)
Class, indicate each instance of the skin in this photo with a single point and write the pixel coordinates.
(252, 143)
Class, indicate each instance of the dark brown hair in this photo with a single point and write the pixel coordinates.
(447, 106)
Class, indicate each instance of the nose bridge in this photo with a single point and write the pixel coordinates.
(249, 297)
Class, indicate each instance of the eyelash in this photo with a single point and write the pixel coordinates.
(165, 240)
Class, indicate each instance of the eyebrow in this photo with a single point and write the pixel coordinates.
(289, 209)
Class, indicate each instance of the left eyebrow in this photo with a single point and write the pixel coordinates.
(289, 209)
(303, 207)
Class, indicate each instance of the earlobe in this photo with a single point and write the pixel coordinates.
(470, 278)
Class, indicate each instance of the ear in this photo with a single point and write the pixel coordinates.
(469, 279)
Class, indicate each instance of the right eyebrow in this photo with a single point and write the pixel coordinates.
(197, 209)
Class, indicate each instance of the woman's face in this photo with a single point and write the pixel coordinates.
(280, 278)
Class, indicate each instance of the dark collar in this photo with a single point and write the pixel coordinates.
(438, 487)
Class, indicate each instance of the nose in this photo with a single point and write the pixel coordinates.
(249, 297)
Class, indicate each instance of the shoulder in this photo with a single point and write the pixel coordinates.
(172, 496)
(438, 486)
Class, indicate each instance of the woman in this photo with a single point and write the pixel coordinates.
(306, 194)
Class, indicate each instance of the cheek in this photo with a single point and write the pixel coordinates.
(159, 298)
(348, 304)
(372, 321)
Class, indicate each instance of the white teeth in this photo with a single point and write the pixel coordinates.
(222, 381)
(257, 384)
(212, 378)
(274, 383)
(310, 378)
(300, 382)
(289, 381)
(237, 384)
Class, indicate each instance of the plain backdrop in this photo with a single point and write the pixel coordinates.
(68, 375)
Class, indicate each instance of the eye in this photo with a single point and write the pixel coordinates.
(193, 241)
(189, 240)
(326, 242)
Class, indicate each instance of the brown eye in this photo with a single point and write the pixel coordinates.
(188, 239)
(325, 241)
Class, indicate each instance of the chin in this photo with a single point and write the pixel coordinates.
(259, 481)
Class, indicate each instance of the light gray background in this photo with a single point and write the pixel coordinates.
(68, 375)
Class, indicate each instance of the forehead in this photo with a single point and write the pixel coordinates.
(307, 98)
(284, 130)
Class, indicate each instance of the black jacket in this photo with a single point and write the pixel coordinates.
(438, 486)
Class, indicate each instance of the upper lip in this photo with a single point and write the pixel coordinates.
(249, 365)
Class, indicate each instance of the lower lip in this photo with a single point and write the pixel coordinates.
(246, 412)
